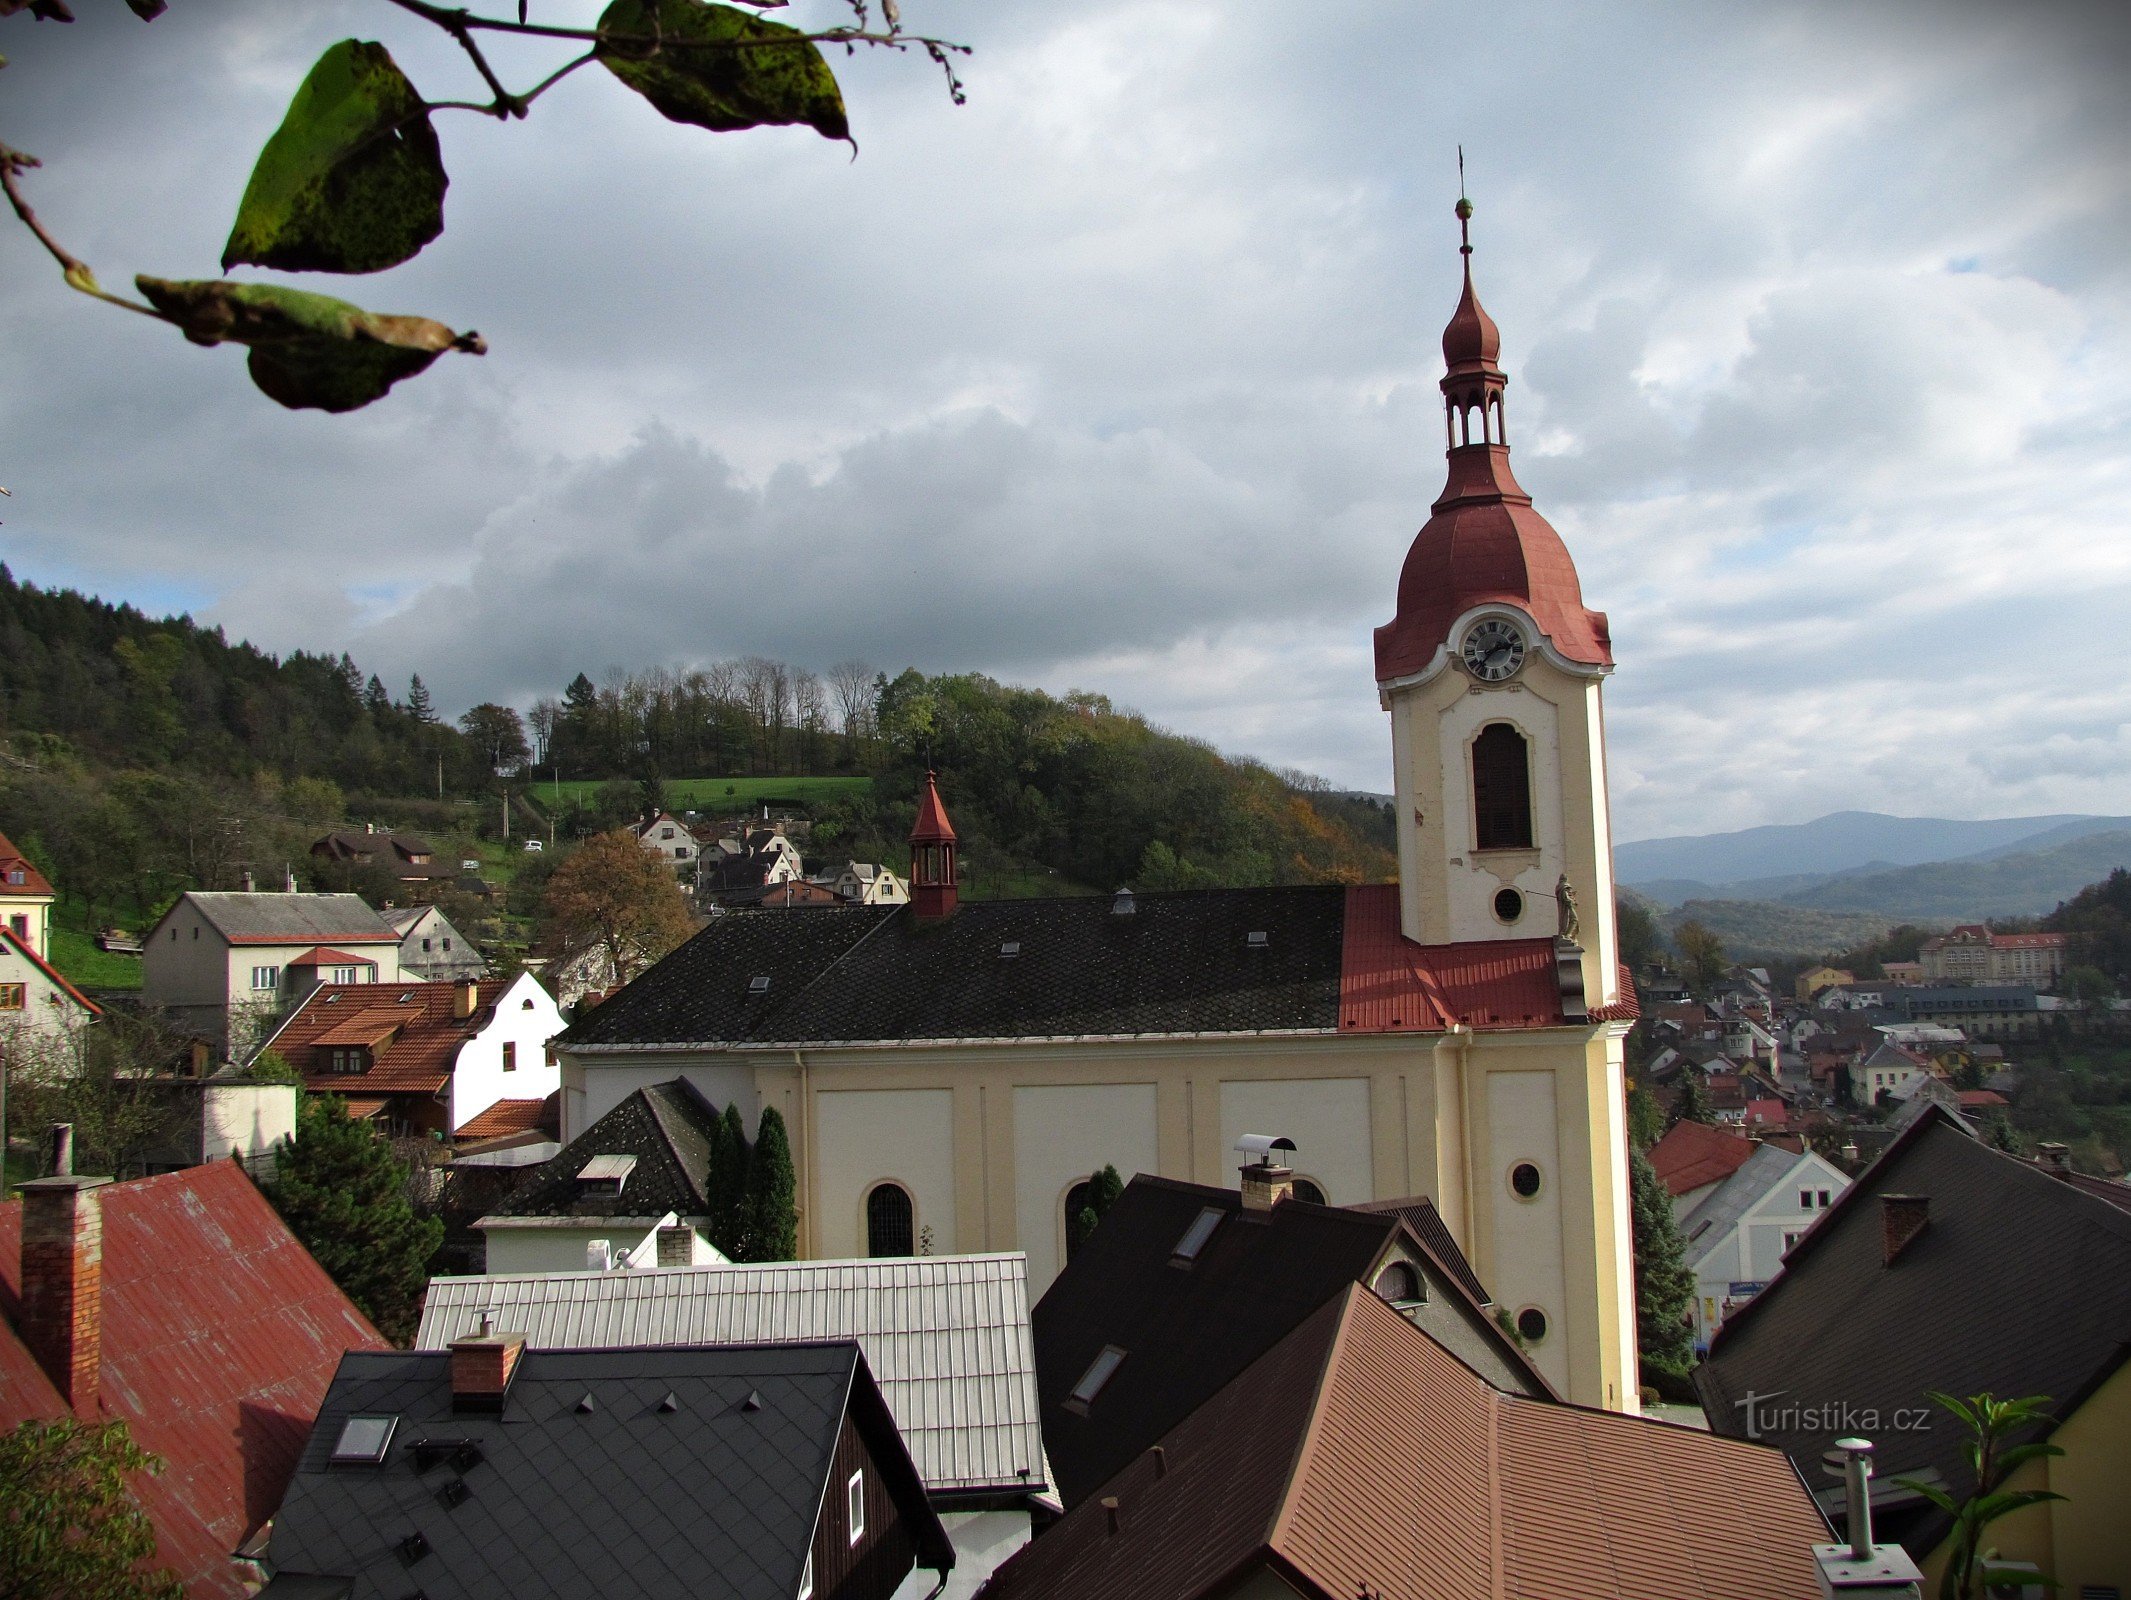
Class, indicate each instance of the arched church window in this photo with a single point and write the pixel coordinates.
(889, 1217)
(1502, 789)
(1080, 1198)
(1305, 1189)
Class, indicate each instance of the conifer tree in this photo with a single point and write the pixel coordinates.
(419, 705)
(727, 1185)
(1664, 1287)
(1103, 1189)
(772, 1193)
(343, 1193)
(1693, 1102)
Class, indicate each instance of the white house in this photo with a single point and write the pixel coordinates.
(667, 837)
(1738, 1230)
(25, 899)
(506, 1056)
(225, 965)
(867, 883)
(43, 1017)
(1887, 1070)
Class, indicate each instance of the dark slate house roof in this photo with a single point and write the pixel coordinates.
(607, 1472)
(1186, 1330)
(667, 1127)
(2019, 1284)
(1320, 959)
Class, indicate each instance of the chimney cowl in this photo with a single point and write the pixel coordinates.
(1902, 1218)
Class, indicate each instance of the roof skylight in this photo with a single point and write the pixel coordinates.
(1256, 939)
(1195, 1236)
(363, 1441)
(759, 985)
(1099, 1373)
(1010, 949)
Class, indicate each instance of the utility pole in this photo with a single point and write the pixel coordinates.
(506, 814)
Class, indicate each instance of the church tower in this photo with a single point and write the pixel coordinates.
(933, 879)
(1492, 672)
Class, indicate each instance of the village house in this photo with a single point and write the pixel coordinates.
(488, 1470)
(1814, 979)
(407, 856)
(1954, 1267)
(431, 949)
(426, 1057)
(181, 1306)
(948, 1335)
(1457, 1034)
(867, 883)
(43, 1018)
(26, 898)
(667, 837)
(224, 965)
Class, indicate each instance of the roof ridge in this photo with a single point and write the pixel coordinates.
(1306, 1435)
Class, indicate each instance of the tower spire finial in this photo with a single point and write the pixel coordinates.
(1464, 212)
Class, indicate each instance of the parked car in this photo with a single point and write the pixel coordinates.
(532, 847)
(469, 865)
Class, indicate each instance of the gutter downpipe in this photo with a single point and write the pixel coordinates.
(1462, 1032)
(806, 1156)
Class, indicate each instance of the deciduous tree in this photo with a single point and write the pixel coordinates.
(69, 1529)
(615, 898)
(1701, 958)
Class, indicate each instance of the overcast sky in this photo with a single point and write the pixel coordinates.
(1122, 377)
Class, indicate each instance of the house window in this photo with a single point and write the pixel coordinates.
(17, 875)
(1823, 1199)
(1805, 1199)
(1399, 1284)
(855, 1505)
(266, 977)
(806, 1579)
(425, 947)
(1501, 789)
(20, 925)
(348, 1059)
(343, 974)
(447, 944)
(1790, 1239)
(510, 1055)
(889, 1221)
(1531, 1324)
(11, 996)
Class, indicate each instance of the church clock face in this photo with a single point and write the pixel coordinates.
(1493, 649)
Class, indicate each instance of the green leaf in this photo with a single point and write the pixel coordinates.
(1937, 1496)
(308, 351)
(352, 180)
(718, 68)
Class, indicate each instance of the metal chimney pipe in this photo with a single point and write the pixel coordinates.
(1857, 1473)
(59, 1149)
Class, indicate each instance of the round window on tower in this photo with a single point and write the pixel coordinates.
(1524, 1181)
(1509, 905)
(1531, 1325)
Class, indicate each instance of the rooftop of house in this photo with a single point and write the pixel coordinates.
(1321, 959)
(19, 877)
(1718, 1212)
(1694, 1154)
(412, 856)
(604, 1472)
(249, 918)
(219, 1337)
(947, 1338)
(1191, 1287)
(1846, 1321)
(411, 1030)
(1356, 1456)
(663, 1130)
(512, 1116)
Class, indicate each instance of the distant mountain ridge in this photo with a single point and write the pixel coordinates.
(1841, 842)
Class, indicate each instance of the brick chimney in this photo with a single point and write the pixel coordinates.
(63, 1275)
(482, 1367)
(1267, 1179)
(465, 1000)
(2054, 1157)
(1902, 1218)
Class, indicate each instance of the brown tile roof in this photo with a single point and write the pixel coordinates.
(506, 1116)
(12, 862)
(320, 956)
(1693, 1154)
(220, 1335)
(409, 1025)
(1357, 1456)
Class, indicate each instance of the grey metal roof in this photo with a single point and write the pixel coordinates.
(315, 917)
(1730, 1200)
(947, 1339)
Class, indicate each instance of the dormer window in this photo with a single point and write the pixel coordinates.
(605, 1174)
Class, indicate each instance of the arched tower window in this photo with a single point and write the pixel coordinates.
(888, 1221)
(1501, 789)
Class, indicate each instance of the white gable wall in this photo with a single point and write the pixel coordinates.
(526, 1017)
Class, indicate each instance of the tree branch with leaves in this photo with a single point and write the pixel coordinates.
(353, 181)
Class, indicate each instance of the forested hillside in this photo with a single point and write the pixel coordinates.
(143, 756)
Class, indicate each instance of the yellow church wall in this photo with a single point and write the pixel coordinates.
(1062, 1133)
(864, 1137)
(2083, 1540)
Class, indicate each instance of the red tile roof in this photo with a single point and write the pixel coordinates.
(13, 861)
(21, 947)
(1767, 1113)
(1693, 1154)
(1982, 1097)
(1387, 984)
(319, 956)
(505, 1116)
(416, 1038)
(1358, 1456)
(220, 1335)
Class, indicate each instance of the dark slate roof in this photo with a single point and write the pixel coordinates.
(2020, 1284)
(666, 1126)
(1188, 1331)
(615, 1497)
(1179, 963)
(1418, 1212)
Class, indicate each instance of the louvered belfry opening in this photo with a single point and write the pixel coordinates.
(1502, 789)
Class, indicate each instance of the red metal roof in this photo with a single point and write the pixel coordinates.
(13, 861)
(1388, 984)
(932, 826)
(22, 948)
(1693, 1154)
(220, 1335)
